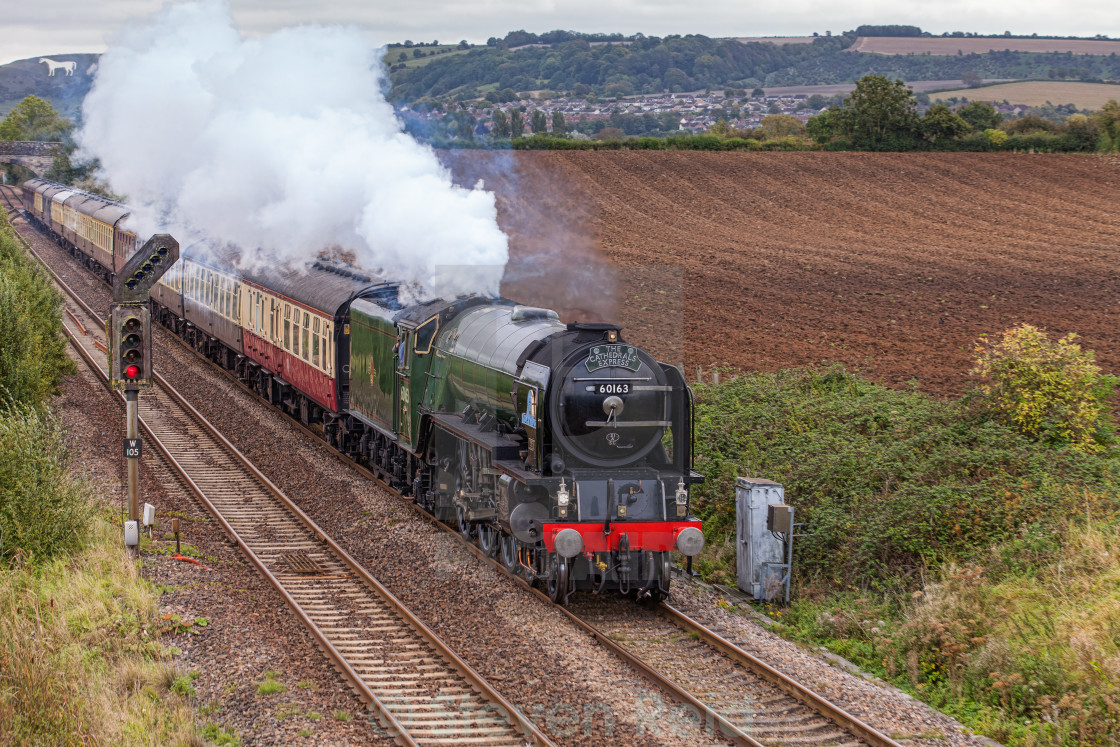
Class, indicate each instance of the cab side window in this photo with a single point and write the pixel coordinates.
(425, 334)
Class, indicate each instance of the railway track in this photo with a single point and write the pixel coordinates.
(422, 692)
(737, 696)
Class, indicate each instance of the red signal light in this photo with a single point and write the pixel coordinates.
(132, 372)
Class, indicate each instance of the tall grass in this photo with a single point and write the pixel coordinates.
(80, 660)
(1023, 644)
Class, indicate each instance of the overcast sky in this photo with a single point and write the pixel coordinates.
(53, 27)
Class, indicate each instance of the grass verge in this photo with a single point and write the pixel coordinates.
(80, 660)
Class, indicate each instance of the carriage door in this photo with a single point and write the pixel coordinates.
(403, 354)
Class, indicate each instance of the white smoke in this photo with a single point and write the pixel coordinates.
(281, 146)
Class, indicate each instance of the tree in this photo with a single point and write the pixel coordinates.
(721, 128)
(558, 123)
(1082, 131)
(501, 124)
(538, 122)
(1029, 123)
(34, 119)
(829, 125)
(940, 124)
(464, 44)
(980, 115)
(610, 133)
(971, 79)
(777, 126)
(882, 114)
(1108, 119)
(757, 93)
(516, 123)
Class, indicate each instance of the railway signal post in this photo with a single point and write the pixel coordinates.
(129, 332)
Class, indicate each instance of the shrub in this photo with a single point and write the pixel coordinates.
(43, 510)
(32, 349)
(996, 137)
(1049, 391)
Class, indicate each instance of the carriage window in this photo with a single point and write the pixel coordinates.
(295, 335)
(315, 342)
(287, 327)
(306, 331)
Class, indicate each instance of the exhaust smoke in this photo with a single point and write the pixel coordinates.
(282, 147)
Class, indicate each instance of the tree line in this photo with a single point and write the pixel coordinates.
(882, 115)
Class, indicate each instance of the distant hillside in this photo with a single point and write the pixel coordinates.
(640, 64)
(22, 78)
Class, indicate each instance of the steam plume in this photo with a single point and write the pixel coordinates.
(281, 146)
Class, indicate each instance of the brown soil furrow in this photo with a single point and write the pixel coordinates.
(891, 263)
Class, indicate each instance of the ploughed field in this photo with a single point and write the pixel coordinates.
(893, 264)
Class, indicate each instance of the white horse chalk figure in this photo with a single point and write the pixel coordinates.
(53, 65)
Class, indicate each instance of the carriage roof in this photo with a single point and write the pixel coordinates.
(96, 206)
(320, 285)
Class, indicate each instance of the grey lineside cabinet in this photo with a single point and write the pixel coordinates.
(761, 565)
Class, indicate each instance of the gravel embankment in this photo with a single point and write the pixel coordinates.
(248, 628)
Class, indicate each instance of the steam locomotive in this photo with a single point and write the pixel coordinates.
(557, 447)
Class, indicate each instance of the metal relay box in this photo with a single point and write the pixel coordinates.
(761, 562)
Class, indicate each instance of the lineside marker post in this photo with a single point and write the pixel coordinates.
(131, 397)
(129, 333)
